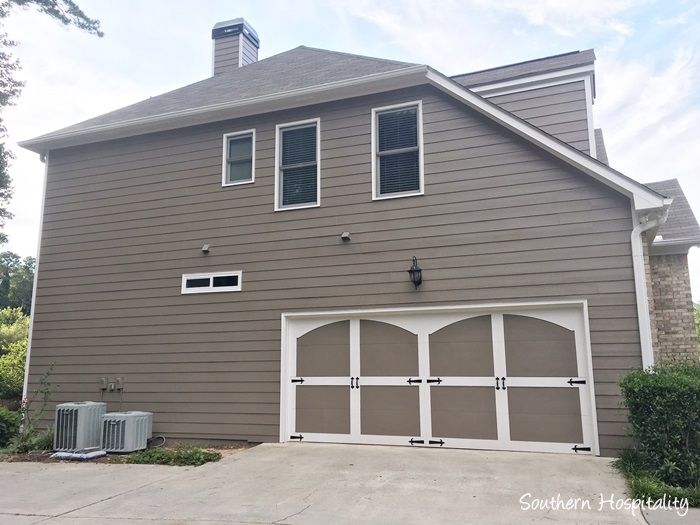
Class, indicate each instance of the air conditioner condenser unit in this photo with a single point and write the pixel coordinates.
(77, 425)
(126, 431)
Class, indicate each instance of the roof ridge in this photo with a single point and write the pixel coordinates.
(568, 53)
(355, 55)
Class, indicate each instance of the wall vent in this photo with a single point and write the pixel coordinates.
(126, 431)
(77, 425)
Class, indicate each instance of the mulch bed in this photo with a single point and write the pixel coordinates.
(45, 457)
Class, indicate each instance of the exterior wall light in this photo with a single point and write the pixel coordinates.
(415, 273)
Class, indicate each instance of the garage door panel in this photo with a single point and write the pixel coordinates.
(545, 414)
(387, 350)
(389, 410)
(519, 380)
(535, 347)
(463, 412)
(323, 409)
(464, 348)
(325, 351)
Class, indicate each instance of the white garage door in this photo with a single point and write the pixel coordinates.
(510, 379)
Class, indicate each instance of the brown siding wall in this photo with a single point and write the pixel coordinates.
(500, 221)
(226, 53)
(559, 110)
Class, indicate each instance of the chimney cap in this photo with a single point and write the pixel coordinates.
(235, 27)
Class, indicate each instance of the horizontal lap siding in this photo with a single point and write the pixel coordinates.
(123, 221)
(559, 110)
(226, 53)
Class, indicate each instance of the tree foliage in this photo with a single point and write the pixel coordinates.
(14, 333)
(67, 13)
(16, 281)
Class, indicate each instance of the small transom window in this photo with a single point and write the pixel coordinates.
(397, 156)
(298, 167)
(211, 282)
(239, 158)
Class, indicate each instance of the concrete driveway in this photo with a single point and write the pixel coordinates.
(316, 484)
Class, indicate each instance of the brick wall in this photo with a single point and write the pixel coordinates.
(673, 326)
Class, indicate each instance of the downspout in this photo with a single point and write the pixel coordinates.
(44, 157)
(640, 283)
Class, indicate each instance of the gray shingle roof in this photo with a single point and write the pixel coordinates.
(297, 68)
(600, 152)
(681, 224)
(524, 69)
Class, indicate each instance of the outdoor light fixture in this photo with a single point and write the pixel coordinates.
(415, 273)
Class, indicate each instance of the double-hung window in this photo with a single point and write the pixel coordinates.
(239, 158)
(397, 151)
(298, 170)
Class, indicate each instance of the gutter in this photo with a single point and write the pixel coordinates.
(640, 281)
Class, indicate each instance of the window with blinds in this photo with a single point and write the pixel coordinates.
(298, 167)
(239, 158)
(398, 155)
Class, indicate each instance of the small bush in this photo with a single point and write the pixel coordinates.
(643, 484)
(192, 456)
(9, 426)
(664, 412)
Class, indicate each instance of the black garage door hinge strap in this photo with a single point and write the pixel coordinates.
(437, 380)
(436, 442)
(416, 441)
(573, 382)
(411, 381)
(299, 437)
(576, 449)
(299, 380)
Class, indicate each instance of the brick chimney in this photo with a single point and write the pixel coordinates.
(235, 44)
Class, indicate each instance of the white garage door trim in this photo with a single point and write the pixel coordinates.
(570, 314)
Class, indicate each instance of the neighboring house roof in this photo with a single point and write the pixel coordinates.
(305, 76)
(525, 69)
(681, 229)
(600, 152)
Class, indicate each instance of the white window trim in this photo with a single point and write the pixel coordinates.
(211, 289)
(375, 175)
(224, 160)
(278, 128)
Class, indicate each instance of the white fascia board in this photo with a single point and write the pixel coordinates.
(643, 198)
(366, 85)
(535, 81)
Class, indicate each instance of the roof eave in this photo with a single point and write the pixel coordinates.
(365, 85)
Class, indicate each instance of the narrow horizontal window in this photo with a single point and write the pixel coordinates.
(239, 158)
(211, 282)
(298, 168)
(397, 157)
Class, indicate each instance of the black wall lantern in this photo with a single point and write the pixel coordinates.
(415, 273)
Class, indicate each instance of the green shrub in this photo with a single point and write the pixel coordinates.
(30, 436)
(191, 456)
(644, 485)
(12, 370)
(664, 412)
(14, 326)
(9, 426)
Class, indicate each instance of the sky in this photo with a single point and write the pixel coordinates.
(647, 68)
